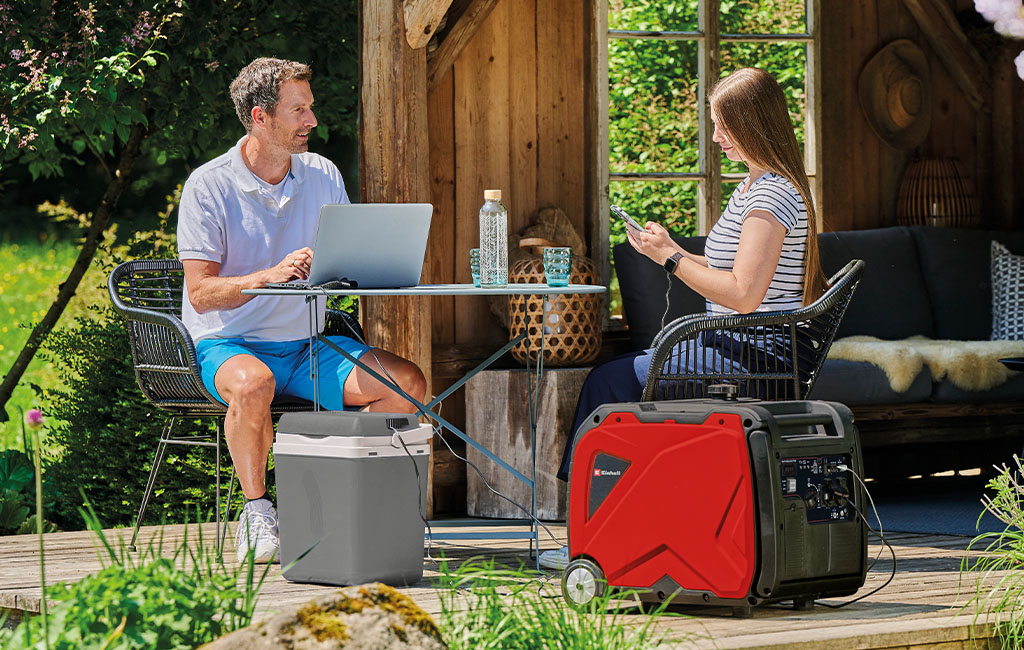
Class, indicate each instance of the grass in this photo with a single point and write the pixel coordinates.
(996, 580)
(485, 606)
(31, 271)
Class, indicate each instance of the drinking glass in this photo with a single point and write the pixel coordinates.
(474, 265)
(557, 262)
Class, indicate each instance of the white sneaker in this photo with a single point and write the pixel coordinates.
(555, 559)
(257, 531)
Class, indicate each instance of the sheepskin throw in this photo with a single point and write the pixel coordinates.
(968, 365)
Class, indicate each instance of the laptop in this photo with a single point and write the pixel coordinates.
(367, 246)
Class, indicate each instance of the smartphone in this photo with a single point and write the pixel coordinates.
(630, 221)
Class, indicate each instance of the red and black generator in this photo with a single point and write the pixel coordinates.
(720, 502)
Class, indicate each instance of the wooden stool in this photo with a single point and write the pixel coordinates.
(498, 417)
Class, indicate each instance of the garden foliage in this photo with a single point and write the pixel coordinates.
(485, 606)
(653, 97)
(995, 580)
(106, 431)
(147, 601)
(81, 74)
(103, 85)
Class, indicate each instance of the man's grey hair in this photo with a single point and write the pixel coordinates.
(259, 84)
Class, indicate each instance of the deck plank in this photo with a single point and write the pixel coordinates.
(920, 608)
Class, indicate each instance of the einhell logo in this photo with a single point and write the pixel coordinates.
(607, 472)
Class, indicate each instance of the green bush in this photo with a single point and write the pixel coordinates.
(104, 430)
(15, 493)
(108, 434)
(153, 601)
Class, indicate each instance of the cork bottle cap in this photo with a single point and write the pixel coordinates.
(492, 195)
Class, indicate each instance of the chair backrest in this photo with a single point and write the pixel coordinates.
(767, 355)
(148, 293)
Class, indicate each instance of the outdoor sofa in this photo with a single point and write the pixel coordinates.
(920, 406)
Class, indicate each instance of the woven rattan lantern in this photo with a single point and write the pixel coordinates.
(571, 323)
(933, 193)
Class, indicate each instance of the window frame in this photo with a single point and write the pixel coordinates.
(709, 176)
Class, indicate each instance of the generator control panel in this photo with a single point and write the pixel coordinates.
(820, 485)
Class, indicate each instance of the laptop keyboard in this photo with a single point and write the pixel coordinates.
(332, 284)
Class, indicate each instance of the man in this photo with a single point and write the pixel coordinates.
(249, 217)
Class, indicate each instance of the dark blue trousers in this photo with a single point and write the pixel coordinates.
(612, 381)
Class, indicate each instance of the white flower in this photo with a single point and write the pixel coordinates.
(994, 10)
(1006, 16)
(1020, 64)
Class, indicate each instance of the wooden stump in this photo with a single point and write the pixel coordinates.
(498, 417)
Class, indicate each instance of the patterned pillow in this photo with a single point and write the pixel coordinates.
(1007, 294)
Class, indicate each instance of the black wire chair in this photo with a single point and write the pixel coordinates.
(148, 293)
(765, 355)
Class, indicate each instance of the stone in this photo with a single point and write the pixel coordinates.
(363, 617)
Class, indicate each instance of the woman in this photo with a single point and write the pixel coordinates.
(761, 255)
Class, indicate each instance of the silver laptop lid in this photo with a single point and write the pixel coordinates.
(377, 245)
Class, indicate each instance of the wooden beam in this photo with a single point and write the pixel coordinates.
(709, 190)
(453, 44)
(394, 164)
(421, 19)
(949, 43)
(1003, 109)
(595, 139)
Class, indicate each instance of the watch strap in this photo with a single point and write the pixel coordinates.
(672, 262)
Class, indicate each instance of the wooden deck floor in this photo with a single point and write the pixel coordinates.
(919, 609)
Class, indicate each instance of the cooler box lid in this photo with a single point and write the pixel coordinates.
(341, 434)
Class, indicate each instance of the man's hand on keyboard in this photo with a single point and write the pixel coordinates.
(294, 266)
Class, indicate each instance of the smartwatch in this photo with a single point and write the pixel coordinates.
(672, 262)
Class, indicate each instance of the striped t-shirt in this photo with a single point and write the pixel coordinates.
(776, 195)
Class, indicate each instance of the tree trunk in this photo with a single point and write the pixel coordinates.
(101, 216)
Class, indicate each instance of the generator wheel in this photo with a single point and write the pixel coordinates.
(582, 582)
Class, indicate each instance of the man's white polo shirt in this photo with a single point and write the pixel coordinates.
(227, 216)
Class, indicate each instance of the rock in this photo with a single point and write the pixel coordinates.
(365, 617)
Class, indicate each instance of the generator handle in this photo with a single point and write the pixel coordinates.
(804, 419)
(808, 420)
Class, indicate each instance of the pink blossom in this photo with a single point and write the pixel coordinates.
(34, 419)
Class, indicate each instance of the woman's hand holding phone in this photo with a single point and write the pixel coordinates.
(654, 241)
(630, 221)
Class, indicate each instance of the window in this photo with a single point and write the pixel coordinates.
(662, 57)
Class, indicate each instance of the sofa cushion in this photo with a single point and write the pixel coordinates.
(642, 283)
(1007, 294)
(955, 264)
(860, 382)
(891, 301)
(1009, 391)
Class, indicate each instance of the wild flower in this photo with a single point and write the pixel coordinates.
(1020, 64)
(34, 419)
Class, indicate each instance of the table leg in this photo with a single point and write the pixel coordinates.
(314, 352)
(427, 412)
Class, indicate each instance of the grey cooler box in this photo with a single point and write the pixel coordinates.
(347, 493)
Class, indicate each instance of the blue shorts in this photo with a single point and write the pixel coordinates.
(289, 361)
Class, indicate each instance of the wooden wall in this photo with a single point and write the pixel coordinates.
(508, 116)
(861, 173)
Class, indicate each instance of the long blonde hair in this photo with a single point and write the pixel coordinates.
(752, 109)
